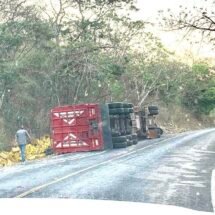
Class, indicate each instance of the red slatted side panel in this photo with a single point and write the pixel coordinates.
(76, 128)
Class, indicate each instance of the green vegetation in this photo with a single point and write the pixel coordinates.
(95, 54)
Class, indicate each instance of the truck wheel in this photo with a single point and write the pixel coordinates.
(130, 140)
(128, 110)
(152, 107)
(135, 139)
(134, 136)
(127, 105)
(120, 145)
(160, 132)
(115, 105)
(123, 132)
(115, 134)
(153, 112)
(128, 132)
(119, 139)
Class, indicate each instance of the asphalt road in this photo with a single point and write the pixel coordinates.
(173, 170)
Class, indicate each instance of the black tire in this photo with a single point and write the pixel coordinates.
(160, 131)
(152, 107)
(153, 112)
(131, 110)
(128, 110)
(127, 105)
(112, 112)
(116, 111)
(129, 137)
(135, 141)
(119, 139)
(115, 105)
(123, 133)
(120, 145)
(115, 134)
(128, 132)
(134, 136)
(130, 140)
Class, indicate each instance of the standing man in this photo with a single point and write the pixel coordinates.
(22, 137)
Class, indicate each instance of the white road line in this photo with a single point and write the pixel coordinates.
(213, 189)
(91, 167)
(76, 173)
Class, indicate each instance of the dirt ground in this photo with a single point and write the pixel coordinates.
(175, 119)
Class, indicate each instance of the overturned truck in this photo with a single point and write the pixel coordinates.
(91, 127)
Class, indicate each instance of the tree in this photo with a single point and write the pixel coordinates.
(56, 58)
(199, 82)
(198, 92)
(198, 18)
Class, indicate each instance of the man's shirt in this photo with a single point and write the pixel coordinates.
(22, 136)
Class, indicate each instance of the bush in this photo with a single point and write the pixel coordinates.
(207, 100)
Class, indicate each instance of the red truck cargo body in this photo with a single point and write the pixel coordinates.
(76, 128)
